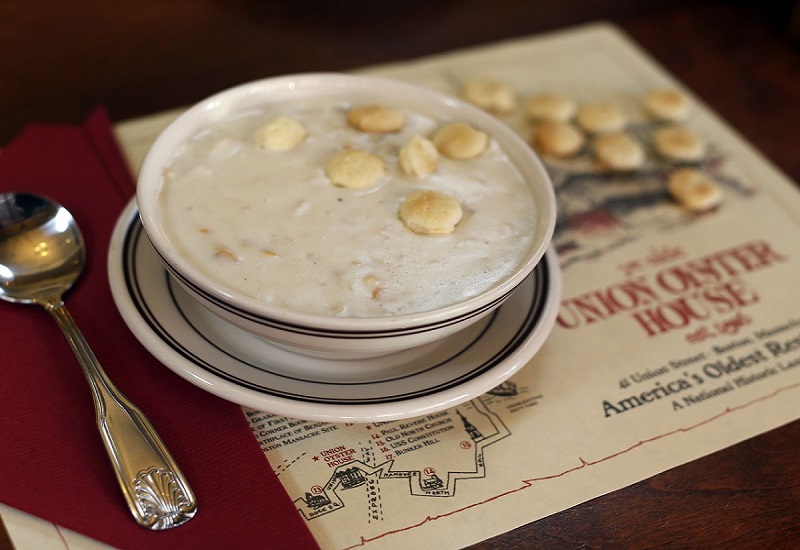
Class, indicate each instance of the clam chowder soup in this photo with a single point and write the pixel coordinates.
(345, 209)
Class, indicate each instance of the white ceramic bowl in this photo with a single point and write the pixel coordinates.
(329, 336)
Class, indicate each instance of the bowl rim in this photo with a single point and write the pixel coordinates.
(334, 84)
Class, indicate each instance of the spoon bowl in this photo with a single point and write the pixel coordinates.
(41, 249)
(42, 254)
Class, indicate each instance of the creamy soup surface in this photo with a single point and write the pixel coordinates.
(269, 224)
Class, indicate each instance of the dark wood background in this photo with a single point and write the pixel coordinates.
(60, 59)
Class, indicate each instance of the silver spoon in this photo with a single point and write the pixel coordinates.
(41, 255)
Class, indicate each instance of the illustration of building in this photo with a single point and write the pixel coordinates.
(433, 482)
(504, 389)
(473, 432)
(317, 501)
(351, 477)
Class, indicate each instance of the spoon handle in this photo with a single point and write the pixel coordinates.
(155, 489)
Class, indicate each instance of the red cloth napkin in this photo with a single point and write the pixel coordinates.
(52, 461)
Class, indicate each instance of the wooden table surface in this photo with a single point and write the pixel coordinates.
(61, 59)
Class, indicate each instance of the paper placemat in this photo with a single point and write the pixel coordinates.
(678, 333)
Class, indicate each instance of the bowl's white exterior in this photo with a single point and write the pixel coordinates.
(335, 337)
(344, 346)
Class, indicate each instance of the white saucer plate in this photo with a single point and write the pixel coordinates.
(246, 369)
